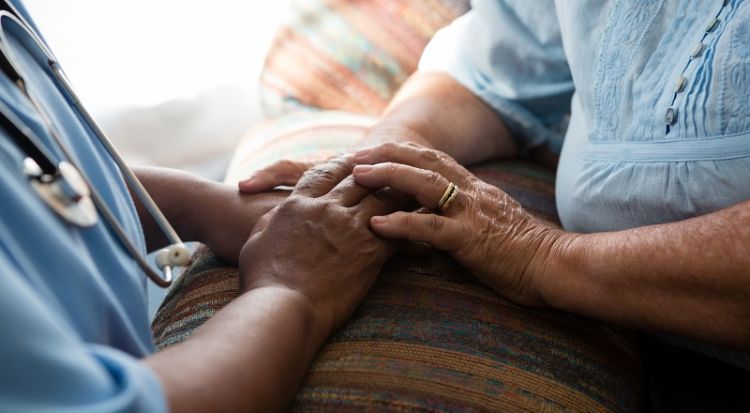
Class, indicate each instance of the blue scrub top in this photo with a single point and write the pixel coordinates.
(73, 313)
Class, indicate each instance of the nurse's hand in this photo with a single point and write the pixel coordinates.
(202, 210)
(483, 228)
(317, 242)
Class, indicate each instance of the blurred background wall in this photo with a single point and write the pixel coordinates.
(173, 82)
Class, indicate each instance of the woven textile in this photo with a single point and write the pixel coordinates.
(349, 54)
(428, 337)
(298, 135)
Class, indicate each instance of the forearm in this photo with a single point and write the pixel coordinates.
(201, 210)
(173, 192)
(690, 278)
(434, 110)
(251, 356)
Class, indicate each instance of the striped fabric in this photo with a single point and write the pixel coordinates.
(428, 337)
(297, 135)
(349, 54)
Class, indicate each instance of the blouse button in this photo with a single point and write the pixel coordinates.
(679, 86)
(670, 116)
(713, 25)
(697, 50)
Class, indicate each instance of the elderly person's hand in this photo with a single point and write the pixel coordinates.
(480, 226)
(662, 277)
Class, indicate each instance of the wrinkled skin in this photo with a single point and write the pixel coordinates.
(484, 229)
(331, 211)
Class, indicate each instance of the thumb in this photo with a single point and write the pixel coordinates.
(284, 172)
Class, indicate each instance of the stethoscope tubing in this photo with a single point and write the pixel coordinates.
(174, 255)
(133, 182)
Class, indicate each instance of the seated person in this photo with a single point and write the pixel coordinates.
(75, 331)
(652, 184)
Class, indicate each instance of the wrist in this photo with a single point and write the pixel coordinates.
(200, 210)
(318, 322)
(395, 131)
(178, 195)
(224, 217)
(554, 264)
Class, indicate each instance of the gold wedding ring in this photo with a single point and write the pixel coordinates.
(448, 197)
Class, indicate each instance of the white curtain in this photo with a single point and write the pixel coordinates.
(173, 81)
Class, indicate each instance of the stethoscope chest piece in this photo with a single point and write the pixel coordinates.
(63, 186)
(65, 192)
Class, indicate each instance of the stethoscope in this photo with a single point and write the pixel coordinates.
(62, 185)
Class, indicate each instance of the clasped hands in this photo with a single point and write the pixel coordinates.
(329, 238)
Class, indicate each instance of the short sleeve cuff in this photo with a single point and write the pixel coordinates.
(444, 53)
(138, 388)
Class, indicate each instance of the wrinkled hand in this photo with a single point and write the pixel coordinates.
(318, 241)
(484, 229)
(287, 172)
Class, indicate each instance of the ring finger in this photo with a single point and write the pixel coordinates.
(429, 188)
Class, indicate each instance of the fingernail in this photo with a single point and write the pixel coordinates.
(362, 152)
(379, 220)
(362, 169)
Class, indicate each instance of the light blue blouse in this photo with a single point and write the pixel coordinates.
(658, 93)
(73, 319)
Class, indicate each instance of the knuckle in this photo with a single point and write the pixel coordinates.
(327, 174)
(307, 180)
(310, 174)
(402, 220)
(435, 223)
(429, 155)
(432, 177)
(291, 204)
(389, 147)
(316, 174)
(391, 168)
(340, 161)
(336, 165)
(435, 226)
(442, 157)
(285, 164)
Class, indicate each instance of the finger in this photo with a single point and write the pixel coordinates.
(322, 178)
(348, 192)
(284, 172)
(438, 231)
(383, 201)
(416, 156)
(427, 187)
